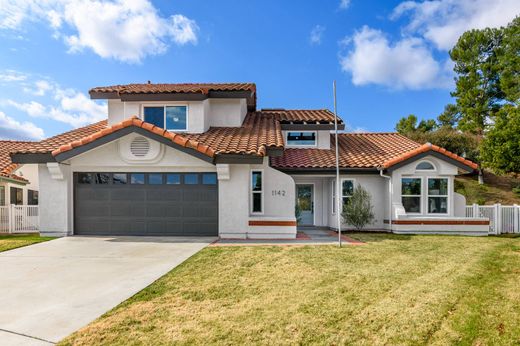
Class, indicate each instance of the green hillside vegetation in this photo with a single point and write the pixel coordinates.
(496, 189)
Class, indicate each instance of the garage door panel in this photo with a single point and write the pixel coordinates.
(146, 209)
(135, 194)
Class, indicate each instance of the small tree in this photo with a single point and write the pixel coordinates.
(358, 211)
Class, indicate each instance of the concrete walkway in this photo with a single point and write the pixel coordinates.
(305, 237)
(51, 289)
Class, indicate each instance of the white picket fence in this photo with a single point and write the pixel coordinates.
(19, 219)
(502, 218)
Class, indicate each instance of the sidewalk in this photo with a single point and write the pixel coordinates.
(307, 237)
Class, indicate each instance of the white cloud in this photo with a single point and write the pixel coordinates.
(316, 34)
(64, 105)
(123, 30)
(407, 63)
(12, 76)
(433, 27)
(40, 88)
(344, 4)
(443, 21)
(13, 129)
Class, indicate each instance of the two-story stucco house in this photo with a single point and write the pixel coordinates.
(201, 159)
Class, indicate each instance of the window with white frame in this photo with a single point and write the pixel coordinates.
(2, 195)
(172, 118)
(347, 190)
(257, 192)
(437, 195)
(302, 139)
(411, 194)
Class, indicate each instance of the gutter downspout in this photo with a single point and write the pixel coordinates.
(390, 194)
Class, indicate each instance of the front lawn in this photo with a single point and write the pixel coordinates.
(8, 242)
(394, 290)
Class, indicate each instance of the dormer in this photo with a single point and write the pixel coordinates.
(191, 108)
(306, 128)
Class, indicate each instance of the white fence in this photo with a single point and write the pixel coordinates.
(19, 219)
(502, 218)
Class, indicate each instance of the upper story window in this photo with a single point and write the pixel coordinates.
(32, 197)
(172, 118)
(424, 166)
(302, 139)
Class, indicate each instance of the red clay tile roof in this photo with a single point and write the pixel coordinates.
(52, 143)
(358, 150)
(199, 88)
(303, 115)
(258, 133)
(7, 167)
(180, 140)
(428, 147)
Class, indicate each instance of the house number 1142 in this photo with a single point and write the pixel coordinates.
(278, 193)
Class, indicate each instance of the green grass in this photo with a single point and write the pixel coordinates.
(405, 290)
(8, 242)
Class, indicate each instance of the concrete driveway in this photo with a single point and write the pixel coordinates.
(51, 289)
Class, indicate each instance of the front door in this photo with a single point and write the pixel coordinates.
(305, 200)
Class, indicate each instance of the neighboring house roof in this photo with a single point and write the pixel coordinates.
(258, 134)
(7, 167)
(359, 151)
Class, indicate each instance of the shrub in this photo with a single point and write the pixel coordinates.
(516, 190)
(358, 211)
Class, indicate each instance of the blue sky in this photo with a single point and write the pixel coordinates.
(389, 57)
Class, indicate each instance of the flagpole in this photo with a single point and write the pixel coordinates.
(337, 165)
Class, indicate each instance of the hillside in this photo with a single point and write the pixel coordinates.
(496, 189)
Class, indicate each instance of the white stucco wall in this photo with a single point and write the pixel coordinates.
(235, 203)
(227, 112)
(55, 202)
(376, 186)
(201, 114)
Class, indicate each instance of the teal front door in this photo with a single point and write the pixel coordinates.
(305, 200)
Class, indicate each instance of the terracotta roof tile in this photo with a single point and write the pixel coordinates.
(360, 150)
(357, 150)
(303, 115)
(177, 138)
(7, 167)
(52, 143)
(425, 148)
(258, 133)
(153, 88)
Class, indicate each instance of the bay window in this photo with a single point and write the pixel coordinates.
(171, 118)
(437, 195)
(411, 194)
(257, 192)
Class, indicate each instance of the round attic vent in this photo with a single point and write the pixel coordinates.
(140, 146)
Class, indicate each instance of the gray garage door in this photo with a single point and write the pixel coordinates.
(177, 204)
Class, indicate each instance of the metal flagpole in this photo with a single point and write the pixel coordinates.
(337, 166)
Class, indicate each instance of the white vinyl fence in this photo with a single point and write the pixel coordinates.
(502, 218)
(19, 219)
